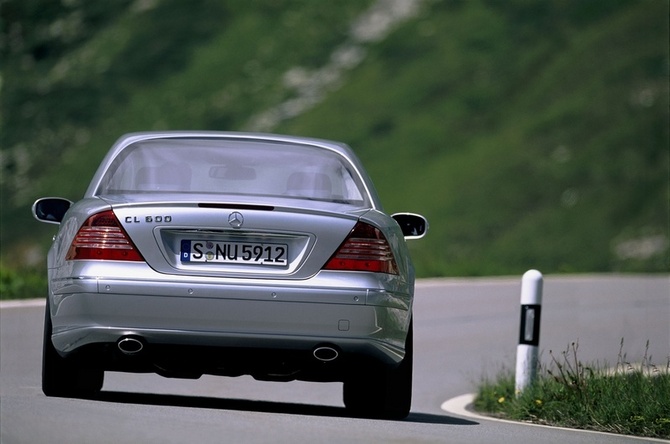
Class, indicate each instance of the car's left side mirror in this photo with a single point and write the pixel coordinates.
(51, 209)
(413, 226)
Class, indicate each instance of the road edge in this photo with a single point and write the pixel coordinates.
(22, 303)
(461, 406)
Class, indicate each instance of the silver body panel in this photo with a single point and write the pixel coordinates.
(328, 308)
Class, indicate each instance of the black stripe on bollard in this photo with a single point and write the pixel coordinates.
(529, 333)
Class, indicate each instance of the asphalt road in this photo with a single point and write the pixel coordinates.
(465, 329)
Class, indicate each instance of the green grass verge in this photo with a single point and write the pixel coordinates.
(24, 284)
(629, 400)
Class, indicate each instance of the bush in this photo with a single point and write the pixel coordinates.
(24, 284)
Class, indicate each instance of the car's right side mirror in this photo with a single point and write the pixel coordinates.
(413, 226)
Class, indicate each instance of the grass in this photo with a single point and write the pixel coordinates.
(22, 284)
(530, 134)
(627, 400)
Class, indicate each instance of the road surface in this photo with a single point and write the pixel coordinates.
(465, 329)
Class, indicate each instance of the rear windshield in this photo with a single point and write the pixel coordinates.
(239, 167)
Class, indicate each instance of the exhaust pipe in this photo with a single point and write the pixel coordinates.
(130, 346)
(325, 353)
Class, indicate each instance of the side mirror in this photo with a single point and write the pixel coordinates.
(413, 226)
(51, 209)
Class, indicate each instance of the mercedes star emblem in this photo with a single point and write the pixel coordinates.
(235, 219)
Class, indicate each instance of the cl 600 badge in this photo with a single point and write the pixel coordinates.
(148, 219)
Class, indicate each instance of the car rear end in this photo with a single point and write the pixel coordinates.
(185, 281)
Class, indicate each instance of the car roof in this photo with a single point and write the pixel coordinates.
(129, 138)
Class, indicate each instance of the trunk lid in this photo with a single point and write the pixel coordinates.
(235, 239)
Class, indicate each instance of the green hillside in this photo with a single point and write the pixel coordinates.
(532, 134)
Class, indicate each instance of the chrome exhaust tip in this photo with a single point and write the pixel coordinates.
(325, 353)
(130, 346)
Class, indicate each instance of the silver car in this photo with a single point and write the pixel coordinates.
(231, 254)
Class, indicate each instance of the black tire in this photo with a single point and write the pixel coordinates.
(60, 376)
(384, 392)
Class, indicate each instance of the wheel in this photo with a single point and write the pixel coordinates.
(60, 376)
(384, 392)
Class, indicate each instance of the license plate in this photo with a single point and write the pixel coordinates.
(234, 252)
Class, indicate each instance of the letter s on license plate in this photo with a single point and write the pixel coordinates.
(234, 253)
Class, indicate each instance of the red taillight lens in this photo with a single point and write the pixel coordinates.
(102, 237)
(365, 249)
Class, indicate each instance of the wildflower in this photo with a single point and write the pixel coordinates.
(538, 402)
(501, 400)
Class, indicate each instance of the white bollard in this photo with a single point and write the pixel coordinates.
(529, 331)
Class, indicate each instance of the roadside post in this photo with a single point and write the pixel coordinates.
(529, 331)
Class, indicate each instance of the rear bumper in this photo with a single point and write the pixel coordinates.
(360, 322)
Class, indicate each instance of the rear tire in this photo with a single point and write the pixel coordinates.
(62, 377)
(383, 392)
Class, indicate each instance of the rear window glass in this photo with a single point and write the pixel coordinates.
(239, 167)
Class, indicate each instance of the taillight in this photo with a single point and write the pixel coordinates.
(365, 249)
(102, 237)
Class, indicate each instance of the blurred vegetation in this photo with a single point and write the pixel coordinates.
(531, 134)
(25, 283)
